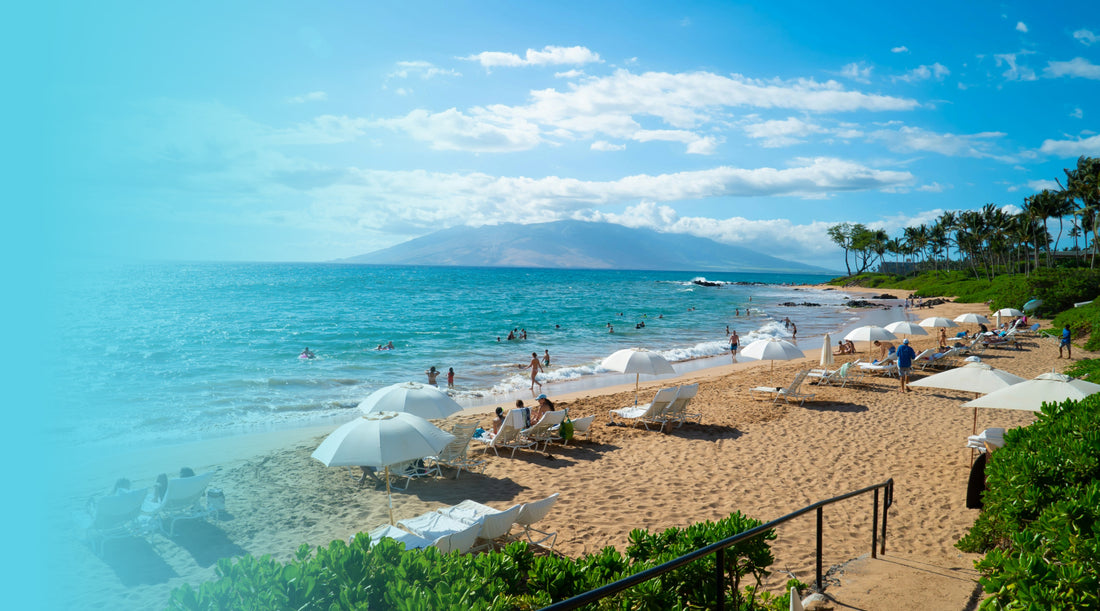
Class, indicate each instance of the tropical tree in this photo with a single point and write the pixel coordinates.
(1083, 185)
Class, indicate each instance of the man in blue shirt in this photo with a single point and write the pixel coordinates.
(1065, 343)
(905, 363)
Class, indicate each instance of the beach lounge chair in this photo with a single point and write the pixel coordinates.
(886, 367)
(677, 410)
(435, 526)
(581, 428)
(541, 432)
(182, 501)
(793, 391)
(451, 541)
(508, 437)
(455, 454)
(387, 531)
(111, 517)
(924, 358)
(650, 413)
(991, 437)
(532, 513)
(496, 524)
(414, 469)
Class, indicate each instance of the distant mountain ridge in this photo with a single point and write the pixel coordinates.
(576, 245)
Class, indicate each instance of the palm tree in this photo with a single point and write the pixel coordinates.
(1083, 185)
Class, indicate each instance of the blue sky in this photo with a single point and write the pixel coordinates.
(314, 131)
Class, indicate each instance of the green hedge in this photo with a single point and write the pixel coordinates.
(1040, 526)
(1082, 321)
(386, 576)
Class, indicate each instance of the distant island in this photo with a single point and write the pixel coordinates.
(577, 245)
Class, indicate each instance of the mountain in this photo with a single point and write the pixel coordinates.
(576, 245)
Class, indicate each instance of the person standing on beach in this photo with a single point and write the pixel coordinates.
(535, 367)
(432, 374)
(794, 331)
(734, 341)
(1064, 343)
(905, 363)
(450, 377)
(545, 359)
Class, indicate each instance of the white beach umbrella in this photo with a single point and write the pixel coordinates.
(636, 361)
(937, 321)
(379, 440)
(975, 377)
(869, 333)
(413, 398)
(970, 318)
(1009, 312)
(904, 327)
(1032, 304)
(772, 350)
(827, 351)
(1031, 394)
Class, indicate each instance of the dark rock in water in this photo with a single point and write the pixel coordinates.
(791, 304)
(862, 303)
(706, 283)
(884, 296)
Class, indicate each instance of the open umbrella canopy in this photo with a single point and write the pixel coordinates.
(772, 350)
(937, 321)
(1009, 312)
(413, 398)
(381, 439)
(636, 361)
(972, 377)
(869, 333)
(827, 351)
(972, 319)
(1032, 304)
(905, 327)
(1031, 394)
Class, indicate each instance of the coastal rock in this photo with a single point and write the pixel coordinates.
(884, 296)
(863, 303)
(817, 601)
(706, 283)
(791, 304)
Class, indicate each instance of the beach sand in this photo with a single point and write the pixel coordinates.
(760, 458)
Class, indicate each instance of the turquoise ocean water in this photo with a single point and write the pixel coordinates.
(176, 352)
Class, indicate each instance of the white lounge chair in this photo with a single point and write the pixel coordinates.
(924, 358)
(650, 413)
(434, 526)
(496, 524)
(581, 428)
(508, 436)
(532, 513)
(454, 541)
(793, 391)
(455, 454)
(414, 469)
(545, 430)
(677, 410)
(111, 517)
(387, 531)
(182, 501)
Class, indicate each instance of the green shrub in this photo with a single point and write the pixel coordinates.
(1085, 369)
(386, 576)
(1040, 526)
(1083, 322)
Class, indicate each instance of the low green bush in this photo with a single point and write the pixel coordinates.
(1085, 369)
(1040, 524)
(386, 576)
(1083, 322)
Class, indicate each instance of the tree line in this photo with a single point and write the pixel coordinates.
(989, 238)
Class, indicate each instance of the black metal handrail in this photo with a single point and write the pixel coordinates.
(719, 549)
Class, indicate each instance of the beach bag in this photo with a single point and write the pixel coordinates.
(565, 431)
(215, 499)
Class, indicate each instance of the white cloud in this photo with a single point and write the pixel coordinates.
(1021, 27)
(857, 72)
(901, 49)
(923, 73)
(935, 187)
(782, 133)
(549, 55)
(422, 69)
(313, 96)
(1077, 113)
(1014, 72)
(1076, 67)
(569, 74)
(1039, 185)
(1012, 209)
(603, 145)
(1071, 148)
(1085, 37)
(457, 131)
(915, 139)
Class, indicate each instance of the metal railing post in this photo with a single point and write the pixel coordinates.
(820, 514)
(888, 500)
(719, 573)
(874, 528)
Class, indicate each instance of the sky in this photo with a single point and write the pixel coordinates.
(278, 131)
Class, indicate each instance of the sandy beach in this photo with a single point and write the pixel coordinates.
(760, 458)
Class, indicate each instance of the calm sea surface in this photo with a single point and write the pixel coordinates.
(177, 352)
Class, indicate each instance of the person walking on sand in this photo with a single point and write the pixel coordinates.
(905, 363)
(1064, 343)
(450, 377)
(734, 342)
(535, 367)
(432, 374)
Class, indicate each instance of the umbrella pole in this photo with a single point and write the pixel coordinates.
(637, 376)
(389, 495)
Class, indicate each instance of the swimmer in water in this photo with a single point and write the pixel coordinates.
(306, 354)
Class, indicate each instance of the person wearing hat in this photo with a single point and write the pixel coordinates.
(905, 363)
(545, 405)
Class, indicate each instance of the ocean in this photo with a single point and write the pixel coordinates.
(175, 352)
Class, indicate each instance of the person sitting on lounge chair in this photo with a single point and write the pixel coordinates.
(498, 421)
